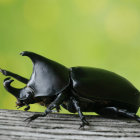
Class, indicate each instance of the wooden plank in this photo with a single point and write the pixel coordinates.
(65, 127)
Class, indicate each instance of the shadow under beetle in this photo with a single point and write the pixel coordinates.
(77, 89)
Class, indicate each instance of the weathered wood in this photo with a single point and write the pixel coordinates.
(65, 127)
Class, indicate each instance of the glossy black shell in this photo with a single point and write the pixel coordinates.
(98, 84)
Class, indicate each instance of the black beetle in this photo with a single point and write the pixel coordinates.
(77, 89)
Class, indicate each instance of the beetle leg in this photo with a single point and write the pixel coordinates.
(128, 114)
(59, 99)
(56, 103)
(16, 76)
(114, 111)
(82, 117)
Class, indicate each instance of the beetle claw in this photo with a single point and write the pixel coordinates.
(28, 120)
(82, 126)
(84, 123)
(35, 116)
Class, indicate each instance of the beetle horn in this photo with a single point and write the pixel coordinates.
(7, 84)
(35, 57)
(31, 55)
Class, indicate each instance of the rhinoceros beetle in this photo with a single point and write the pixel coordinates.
(77, 89)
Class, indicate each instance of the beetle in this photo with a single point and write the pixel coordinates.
(77, 89)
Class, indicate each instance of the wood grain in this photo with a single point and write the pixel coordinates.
(65, 127)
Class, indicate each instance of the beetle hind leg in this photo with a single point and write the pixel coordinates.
(115, 112)
(128, 114)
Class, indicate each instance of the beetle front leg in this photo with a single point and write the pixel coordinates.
(82, 117)
(55, 104)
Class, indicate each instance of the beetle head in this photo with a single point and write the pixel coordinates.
(24, 96)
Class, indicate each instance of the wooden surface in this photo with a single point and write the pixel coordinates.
(65, 127)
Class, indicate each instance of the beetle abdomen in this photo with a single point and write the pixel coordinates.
(95, 83)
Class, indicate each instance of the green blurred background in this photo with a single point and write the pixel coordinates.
(97, 33)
